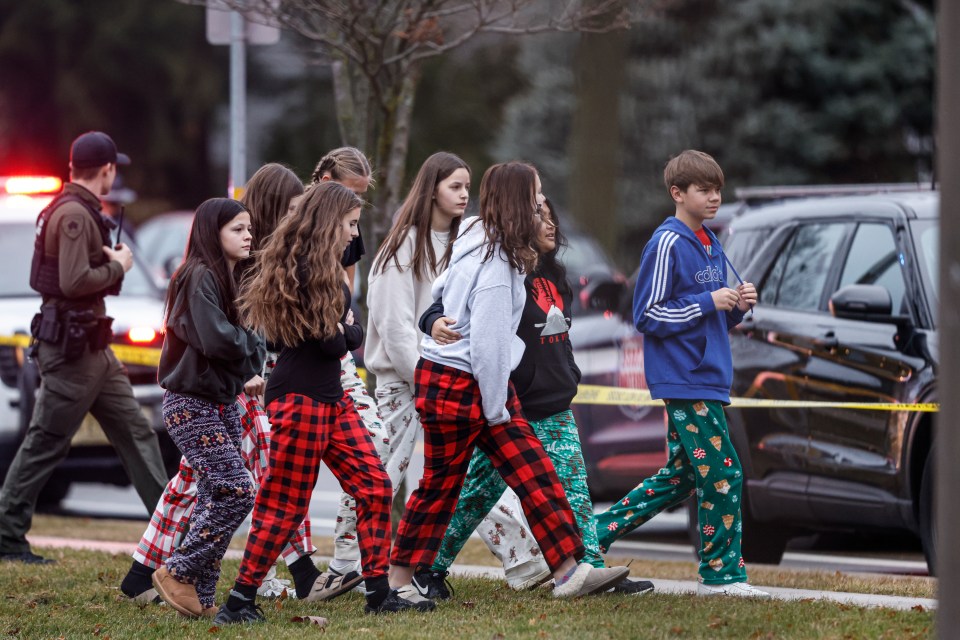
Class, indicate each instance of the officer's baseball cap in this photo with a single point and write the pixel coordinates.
(95, 149)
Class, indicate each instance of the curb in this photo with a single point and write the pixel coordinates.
(674, 587)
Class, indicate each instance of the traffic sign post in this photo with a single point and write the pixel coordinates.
(228, 27)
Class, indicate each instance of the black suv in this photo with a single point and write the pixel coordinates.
(847, 313)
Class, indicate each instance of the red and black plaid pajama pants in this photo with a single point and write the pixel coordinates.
(305, 432)
(448, 401)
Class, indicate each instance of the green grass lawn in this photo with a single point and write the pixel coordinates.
(475, 552)
(79, 598)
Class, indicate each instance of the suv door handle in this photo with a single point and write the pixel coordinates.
(827, 340)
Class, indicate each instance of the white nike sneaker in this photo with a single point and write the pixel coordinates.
(737, 589)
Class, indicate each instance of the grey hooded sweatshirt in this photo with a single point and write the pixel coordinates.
(486, 299)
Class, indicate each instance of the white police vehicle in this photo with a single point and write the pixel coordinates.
(138, 316)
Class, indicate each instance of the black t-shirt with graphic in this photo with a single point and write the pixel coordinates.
(546, 378)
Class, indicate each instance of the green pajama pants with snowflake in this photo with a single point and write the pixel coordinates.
(701, 461)
(483, 487)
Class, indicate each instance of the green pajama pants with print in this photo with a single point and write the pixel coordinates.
(701, 460)
(484, 486)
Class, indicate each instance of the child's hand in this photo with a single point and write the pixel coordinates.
(340, 327)
(725, 299)
(349, 318)
(748, 296)
(440, 333)
(254, 386)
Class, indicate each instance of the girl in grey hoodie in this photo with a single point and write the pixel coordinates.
(465, 399)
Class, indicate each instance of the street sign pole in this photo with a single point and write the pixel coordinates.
(238, 106)
(225, 26)
(948, 435)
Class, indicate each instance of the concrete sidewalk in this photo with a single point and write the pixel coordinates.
(679, 587)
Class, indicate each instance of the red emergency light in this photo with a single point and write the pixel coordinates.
(32, 185)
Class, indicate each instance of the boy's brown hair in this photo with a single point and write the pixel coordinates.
(692, 167)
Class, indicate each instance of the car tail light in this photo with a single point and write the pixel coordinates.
(142, 335)
(32, 185)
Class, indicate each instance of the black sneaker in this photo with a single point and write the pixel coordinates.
(632, 587)
(248, 613)
(403, 599)
(433, 584)
(26, 557)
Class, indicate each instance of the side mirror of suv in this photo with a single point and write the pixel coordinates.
(601, 293)
(867, 302)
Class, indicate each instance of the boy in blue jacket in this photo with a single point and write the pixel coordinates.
(684, 308)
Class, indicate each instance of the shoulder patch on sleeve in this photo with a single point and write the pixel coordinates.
(71, 225)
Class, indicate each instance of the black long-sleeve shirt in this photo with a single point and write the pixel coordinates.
(205, 355)
(312, 368)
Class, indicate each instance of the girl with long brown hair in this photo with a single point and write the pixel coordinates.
(349, 167)
(299, 301)
(465, 398)
(208, 358)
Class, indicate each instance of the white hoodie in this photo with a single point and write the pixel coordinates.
(486, 299)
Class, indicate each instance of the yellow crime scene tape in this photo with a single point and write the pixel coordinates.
(128, 354)
(597, 394)
(586, 393)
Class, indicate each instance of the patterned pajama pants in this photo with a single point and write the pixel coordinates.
(169, 520)
(505, 529)
(701, 460)
(304, 433)
(208, 434)
(394, 438)
(172, 515)
(448, 401)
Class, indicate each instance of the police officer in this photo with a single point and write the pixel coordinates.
(75, 266)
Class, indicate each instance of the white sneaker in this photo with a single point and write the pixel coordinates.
(528, 575)
(410, 593)
(738, 589)
(588, 579)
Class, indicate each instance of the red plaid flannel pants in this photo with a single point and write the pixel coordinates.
(305, 432)
(448, 401)
(172, 515)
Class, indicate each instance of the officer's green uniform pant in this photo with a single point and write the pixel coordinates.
(483, 487)
(701, 460)
(96, 383)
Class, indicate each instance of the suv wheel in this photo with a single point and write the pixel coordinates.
(762, 542)
(928, 520)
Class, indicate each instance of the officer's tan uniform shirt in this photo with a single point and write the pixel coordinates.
(75, 237)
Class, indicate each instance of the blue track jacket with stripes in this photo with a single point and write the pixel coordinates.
(686, 349)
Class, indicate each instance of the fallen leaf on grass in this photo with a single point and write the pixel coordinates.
(311, 620)
(917, 607)
(97, 629)
(497, 636)
(677, 630)
(468, 604)
(716, 623)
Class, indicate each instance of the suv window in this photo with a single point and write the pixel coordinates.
(797, 278)
(741, 247)
(16, 244)
(874, 259)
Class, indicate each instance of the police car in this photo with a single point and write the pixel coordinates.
(138, 314)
